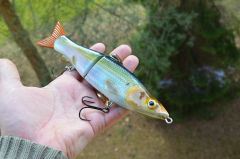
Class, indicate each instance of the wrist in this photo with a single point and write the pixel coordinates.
(71, 145)
(15, 147)
(52, 142)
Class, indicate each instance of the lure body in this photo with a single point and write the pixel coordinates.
(81, 58)
(106, 75)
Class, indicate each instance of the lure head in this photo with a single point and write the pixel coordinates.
(140, 100)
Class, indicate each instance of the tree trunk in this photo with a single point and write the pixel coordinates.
(22, 39)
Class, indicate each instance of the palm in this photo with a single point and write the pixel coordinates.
(49, 115)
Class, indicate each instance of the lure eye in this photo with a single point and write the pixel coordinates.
(151, 104)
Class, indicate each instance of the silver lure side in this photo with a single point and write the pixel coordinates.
(107, 76)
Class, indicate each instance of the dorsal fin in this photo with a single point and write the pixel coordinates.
(49, 41)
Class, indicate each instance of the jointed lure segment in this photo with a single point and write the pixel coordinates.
(106, 75)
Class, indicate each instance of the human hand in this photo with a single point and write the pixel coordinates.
(49, 115)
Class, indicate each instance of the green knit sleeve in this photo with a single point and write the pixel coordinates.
(17, 148)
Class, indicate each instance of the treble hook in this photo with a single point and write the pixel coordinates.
(87, 102)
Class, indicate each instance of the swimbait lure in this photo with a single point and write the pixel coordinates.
(107, 75)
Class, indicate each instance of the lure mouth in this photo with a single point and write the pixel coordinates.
(164, 115)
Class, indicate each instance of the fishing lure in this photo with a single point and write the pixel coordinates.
(107, 75)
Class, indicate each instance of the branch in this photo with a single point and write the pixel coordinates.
(113, 13)
(79, 26)
(22, 39)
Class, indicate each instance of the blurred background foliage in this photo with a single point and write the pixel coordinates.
(188, 50)
(192, 51)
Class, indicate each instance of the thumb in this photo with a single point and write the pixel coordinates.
(8, 73)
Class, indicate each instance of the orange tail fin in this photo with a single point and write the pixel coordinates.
(49, 41)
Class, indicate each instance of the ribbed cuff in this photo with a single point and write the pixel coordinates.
(17, 148)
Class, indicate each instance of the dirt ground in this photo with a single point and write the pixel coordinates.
(137, 137)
